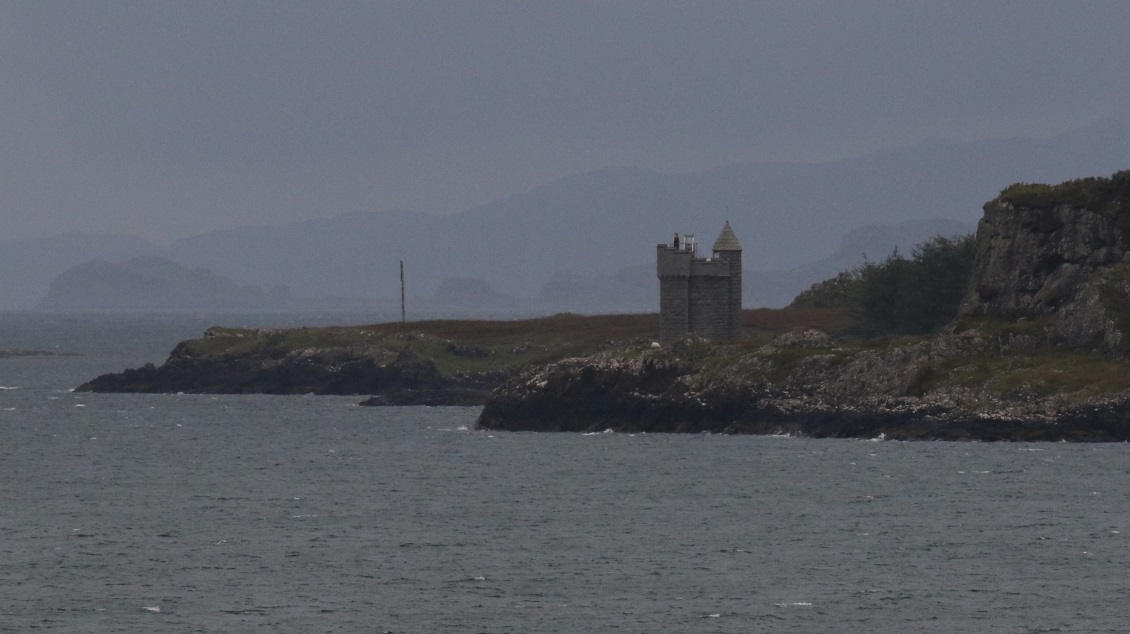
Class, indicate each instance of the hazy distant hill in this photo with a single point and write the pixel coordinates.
(595, 224)
(352, 255)
(154, 283)
(547, 244)
(30, 265)
(632, 289)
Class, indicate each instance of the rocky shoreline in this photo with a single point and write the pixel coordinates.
(802, 384)
(397, 378)
(1037, 350)
(435, 363)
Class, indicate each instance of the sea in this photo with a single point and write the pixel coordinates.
(205, 513)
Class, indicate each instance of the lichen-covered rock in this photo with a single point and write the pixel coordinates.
(824, 392)
(807, 339)
(1065, 263)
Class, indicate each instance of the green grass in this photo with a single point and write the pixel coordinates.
(1044, 373)
(1107, 196)
(476, 346)
(508, 344)
(1104, 195)
(998, 328)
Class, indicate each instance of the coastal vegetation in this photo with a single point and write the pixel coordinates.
(1109, 196)
(900, 295)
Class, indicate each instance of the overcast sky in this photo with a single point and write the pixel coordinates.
(166, 119)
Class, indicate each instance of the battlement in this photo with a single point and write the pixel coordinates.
(673, 262)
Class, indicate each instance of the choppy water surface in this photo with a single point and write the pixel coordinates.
(125, 513)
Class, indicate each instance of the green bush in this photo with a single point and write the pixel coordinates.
(1110, 196)
(917, 295)
(834, 292)
(901, 296)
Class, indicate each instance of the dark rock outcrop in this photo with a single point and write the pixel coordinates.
(403, 378)
(1060, 261)
(796, 385)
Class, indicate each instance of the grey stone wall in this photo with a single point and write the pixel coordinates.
(673, 267)
(733, 293)
(671, 262)
(709, 307)
(673, 308)
(698, 295)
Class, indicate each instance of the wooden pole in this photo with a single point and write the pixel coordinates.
(403, 316)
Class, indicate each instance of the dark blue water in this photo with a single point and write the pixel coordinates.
(127, 513)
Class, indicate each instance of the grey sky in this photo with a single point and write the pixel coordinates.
(165, 119)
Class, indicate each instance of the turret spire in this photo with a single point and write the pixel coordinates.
(727, 241)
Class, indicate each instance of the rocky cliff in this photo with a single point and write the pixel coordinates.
(1035, 352)
(1059, 255)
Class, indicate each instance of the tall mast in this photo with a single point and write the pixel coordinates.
(403, 316)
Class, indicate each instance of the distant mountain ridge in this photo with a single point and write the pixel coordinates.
(597, 225)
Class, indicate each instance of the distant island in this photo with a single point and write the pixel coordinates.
(1016, 333)
(7, 353)
(154, 283)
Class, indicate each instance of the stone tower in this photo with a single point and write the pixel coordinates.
(728, 249)
(700, 295)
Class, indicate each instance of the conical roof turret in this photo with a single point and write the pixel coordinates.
(727, 241)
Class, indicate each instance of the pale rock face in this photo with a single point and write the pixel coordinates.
(1065, 263)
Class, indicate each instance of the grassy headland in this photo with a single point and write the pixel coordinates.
(460, 347)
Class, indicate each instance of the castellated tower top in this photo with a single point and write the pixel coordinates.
(727, 241)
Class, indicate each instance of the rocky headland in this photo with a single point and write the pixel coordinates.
(1036, 350)
(959, 386)
(1030, 345)
(445, 362)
